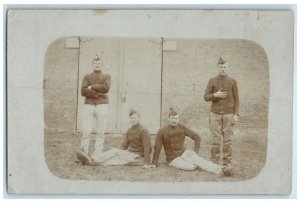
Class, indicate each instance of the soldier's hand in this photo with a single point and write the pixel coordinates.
(235, 119)
(153, 166)
(146, 167)
(220, 94)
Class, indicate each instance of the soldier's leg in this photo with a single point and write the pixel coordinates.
(84, 158)
(215, 123)
(197, 160)
(139, 161)
(101, 120)
(103, 157)
(180, 163)
(87, 124)
(120, 157)
(227, 139)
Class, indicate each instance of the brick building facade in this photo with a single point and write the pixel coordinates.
(185, 73)
(60, 87)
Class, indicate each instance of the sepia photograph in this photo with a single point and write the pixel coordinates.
(103, 95)
(150, 101)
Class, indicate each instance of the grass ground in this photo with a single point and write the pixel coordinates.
(249, 155)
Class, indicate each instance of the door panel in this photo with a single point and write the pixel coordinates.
(142, 82)
(135, 67)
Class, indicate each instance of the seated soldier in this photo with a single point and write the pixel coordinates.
(135, 149)
(172, 138)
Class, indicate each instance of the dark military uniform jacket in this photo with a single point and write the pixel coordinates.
(137, 140)
(172, 138)
(100, 84)
(230, 104)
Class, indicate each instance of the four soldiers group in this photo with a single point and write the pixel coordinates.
(136, 147)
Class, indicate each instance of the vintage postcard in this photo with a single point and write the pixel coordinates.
(150, 101)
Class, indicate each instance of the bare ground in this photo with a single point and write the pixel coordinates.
(249, 155)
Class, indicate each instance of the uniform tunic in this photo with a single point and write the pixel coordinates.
(230, 104)
(100, 84)
(137, 140)
(172, 139)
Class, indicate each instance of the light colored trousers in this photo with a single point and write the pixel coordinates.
(118, 157)
(190, 160)
(221, 130)
(90, 113)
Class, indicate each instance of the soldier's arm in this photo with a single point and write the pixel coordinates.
(209, 94)
(104, 86)
(236, 98)
(146, 145)
(194, 136)
(85, 91)
(157, 148)
(125, 143)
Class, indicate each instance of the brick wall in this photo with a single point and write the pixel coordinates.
(185, 74)
(60, 86)
(187, 70)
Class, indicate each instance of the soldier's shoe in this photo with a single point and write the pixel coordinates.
(84, 158)
(228, 170)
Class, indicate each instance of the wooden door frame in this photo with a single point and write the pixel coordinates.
(120, 83)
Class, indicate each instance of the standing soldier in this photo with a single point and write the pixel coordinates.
(222, 91)
(95, 87)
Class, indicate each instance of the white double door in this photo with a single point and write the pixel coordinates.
(135, 69)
